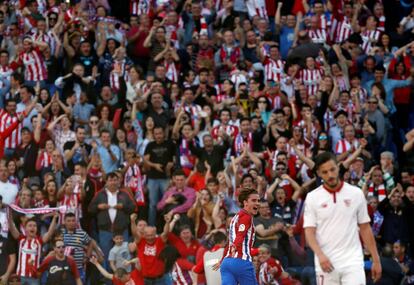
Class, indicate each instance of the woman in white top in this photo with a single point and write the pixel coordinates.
(135, 83)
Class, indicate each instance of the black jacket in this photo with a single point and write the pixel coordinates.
(121, 221)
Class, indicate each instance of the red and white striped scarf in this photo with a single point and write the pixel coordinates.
(134, 180)
(379, 191)
(139, 7)
(37, 211)
(187, 160)
(203, 27)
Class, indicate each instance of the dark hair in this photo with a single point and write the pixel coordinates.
(170, 255)
(79, 127)
(245, 176)
(323, 158)
(381, 87)
(81, 164)
(224, 110)
(70, 215)
(10, 100)
(120, 272)
(28, 89)
(111, 175)
(219, 237)
(268, 105)
(379, 67)
(178, 172)
(18, 77)
(213, 180)
(244, 119)
(244, 195)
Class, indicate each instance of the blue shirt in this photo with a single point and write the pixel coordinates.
(108, 164)
(287, 35)
(82, 112)
(389, 85)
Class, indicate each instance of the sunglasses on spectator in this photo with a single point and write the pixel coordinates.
(372, 102)
(323, 138)
(93, 122)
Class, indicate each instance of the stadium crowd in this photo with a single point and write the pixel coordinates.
(128, 128)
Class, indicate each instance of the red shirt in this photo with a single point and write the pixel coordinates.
(182, 248)
(5, 134)
(148, 254)
(197, 181)
(139, 49)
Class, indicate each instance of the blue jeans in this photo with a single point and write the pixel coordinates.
(237, 271)
(158, 281)
(29, 281)
(156, 189)
(106, 243)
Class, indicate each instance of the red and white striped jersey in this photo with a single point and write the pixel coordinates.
(6, 120)
(381, 24)
(45, 159)
(274, 69)
(221, 97)
(114, 77)
(179, 274)
(171, 71)
(265, 276)
(72, 205)
(314, 130)
(275, 102)
(368, 38)
(45, 38)
(5, 73)
(29, 256)
(34, 65)
(341, 30)
(139, 7)
(318, 36)
(325, 22)
(257, 8)
(241, 235)
(343, 146)
(311, 79)
(349, 109)
(230, 130)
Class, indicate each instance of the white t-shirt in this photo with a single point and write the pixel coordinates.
(336, 217)
(9, 192)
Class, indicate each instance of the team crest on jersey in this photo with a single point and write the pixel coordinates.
(324, 205)
(242, 227)
(347, 202)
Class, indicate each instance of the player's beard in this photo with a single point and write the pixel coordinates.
(332, 183)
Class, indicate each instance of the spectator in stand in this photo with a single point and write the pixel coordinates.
(112, 208)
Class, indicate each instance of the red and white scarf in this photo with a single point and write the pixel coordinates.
(37, 211)
(134, 180)
(187, 160)
(171, 71)
(379, 191)
(203, 26)
(239, 143)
